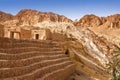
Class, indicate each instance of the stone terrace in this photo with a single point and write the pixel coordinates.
(33, 60)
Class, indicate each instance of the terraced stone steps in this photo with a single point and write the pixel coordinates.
(25, 62)
(42, 72)
(27, 49)
(17, 71)
(63, 76)
(33, 60)
(4, 56)
(13, 45)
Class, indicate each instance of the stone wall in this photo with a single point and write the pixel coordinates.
(25, 34)
(59, 37)
(1, 30)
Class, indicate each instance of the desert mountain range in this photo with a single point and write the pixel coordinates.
(31, 17)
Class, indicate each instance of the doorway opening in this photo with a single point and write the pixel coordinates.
(36, 36)
(15, 35)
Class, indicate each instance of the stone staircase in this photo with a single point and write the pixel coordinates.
(33, 60)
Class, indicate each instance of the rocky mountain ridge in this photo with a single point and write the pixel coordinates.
(30, 17)
(112, 21)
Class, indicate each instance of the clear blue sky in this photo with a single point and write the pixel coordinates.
(73, 9)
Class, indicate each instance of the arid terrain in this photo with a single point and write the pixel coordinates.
(49, 46)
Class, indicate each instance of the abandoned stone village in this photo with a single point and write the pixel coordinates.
(32, 55)
(19, 33)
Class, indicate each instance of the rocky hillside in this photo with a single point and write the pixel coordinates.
(108, 27)
(89, 21)
(5, 16)
(112, 21)
(30, 17)
(90, 52)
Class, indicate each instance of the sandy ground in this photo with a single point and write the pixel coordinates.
(80, 75)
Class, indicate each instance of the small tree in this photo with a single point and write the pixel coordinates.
(114, 64)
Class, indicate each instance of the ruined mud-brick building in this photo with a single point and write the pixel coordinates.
(20, 33)
(15, 32)
(41, 34)
(12, 32)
